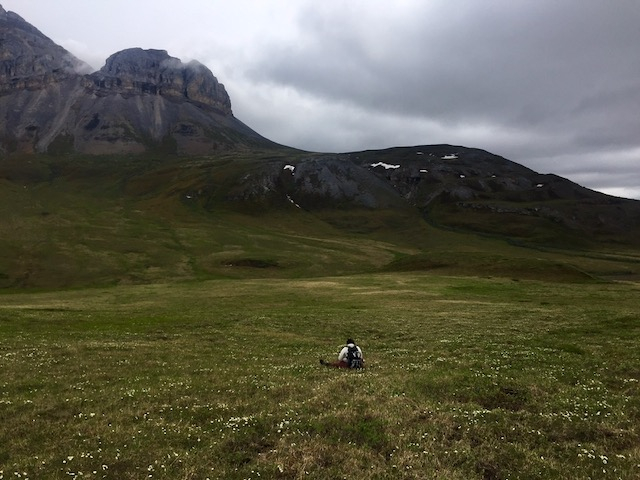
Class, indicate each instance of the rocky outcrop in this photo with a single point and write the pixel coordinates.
(316, 182)
(29, 59)
(153, 72)
(140, 100)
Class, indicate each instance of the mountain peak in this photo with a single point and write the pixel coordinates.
(29, 58)
(4, 15)
(146, 64)
(136, 70)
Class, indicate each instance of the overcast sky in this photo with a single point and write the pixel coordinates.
(550, 84)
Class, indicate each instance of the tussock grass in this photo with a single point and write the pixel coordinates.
(467, 378)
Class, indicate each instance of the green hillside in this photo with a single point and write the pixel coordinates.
(71, 221)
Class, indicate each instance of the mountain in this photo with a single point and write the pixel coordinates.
(141, 172)
(450, 186)
(472, 189)
(141, 100)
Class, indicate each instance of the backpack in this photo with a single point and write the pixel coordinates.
(354, 357)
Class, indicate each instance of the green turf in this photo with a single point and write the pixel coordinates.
(467, 378)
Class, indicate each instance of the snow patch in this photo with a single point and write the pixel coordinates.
(540, 185)
(424, 171)
(385, 165)
(289, 167)
(451, 156)
(294, 203)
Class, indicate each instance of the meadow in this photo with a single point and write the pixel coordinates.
(466, 378)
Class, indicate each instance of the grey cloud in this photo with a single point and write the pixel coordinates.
(511, 62)
(562, 76)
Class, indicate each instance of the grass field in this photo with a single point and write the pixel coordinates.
(467, 378)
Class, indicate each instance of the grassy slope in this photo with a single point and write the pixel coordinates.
(468, 378)
(70, 222)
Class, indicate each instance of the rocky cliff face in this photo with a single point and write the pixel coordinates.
(29, 59)
(140, 100)
(154, 72)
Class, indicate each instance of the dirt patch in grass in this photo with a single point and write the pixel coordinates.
(251, 263)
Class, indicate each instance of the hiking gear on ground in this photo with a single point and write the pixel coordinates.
(354, 357)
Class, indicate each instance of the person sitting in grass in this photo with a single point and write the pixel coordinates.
(349, 357)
